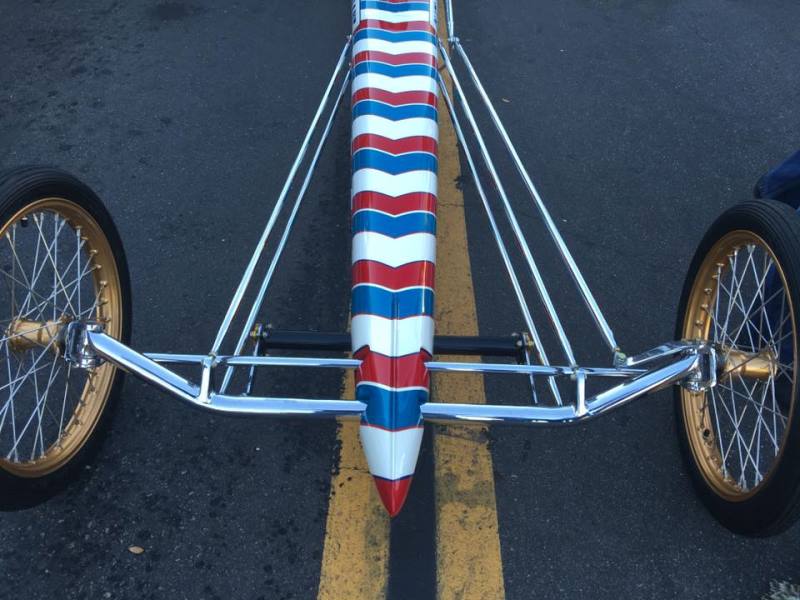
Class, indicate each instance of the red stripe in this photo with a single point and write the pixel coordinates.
(410, 58)
(401, 146)
(388, 26)
(394, 205)
(403, 372)
(395, 99)
(416, 274)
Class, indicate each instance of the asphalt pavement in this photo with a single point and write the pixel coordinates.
(640, 122)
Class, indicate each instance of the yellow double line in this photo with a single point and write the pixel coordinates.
(355, 561)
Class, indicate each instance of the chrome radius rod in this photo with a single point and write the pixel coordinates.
(510, 215)
(594, 309)
(501, 246)
(259, 300)
(262, 242)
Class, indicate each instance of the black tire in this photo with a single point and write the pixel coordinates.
(772, 505)
(20, 188)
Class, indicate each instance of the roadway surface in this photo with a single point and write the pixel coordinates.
(639, 121)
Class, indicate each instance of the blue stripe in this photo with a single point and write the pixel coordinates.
(389, 163)
(394, 36)
(391, 7)
(395, 113)
(371, 300)
(417, 222)
(391, 409)
(371, 66)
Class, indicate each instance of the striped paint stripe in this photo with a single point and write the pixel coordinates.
(421, 58)
(411, 83)
(391, 410)
(394, 205)
(390, 17)
(392, 337)
(412, 274)
(408, 371)
(394, 71)
(369, 158)
(366, 43)
(392, 305)
(398, 99)
(394, 226)
(396, 147)
(394, 252)
(370, 124)
(394, 113)
(394, 6)
(367, 179)
(380, 447)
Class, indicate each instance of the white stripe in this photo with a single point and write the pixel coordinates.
(392, 337)
(405, 16)
(373, 180)
(395, 130)
(369, 245)
(391, 454)
(395, 85)
(374, 45)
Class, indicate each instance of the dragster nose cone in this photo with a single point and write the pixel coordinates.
(393, 493)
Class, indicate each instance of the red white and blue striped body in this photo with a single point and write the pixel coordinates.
(394, 154)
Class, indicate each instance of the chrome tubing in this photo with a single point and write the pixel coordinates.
(501, 246)
(150, 371)
(594, 309)
(448, 7)
(262, 242)
(532, 370)
(142, 367)
(259, 300)
(512, 219)
(204, 396)
(564, 415)
(285, 407)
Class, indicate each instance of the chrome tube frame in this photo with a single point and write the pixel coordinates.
(684, 364)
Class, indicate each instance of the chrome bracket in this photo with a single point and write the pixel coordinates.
(78, 350)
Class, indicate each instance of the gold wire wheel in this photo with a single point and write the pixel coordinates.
(740, 302)
(56, 266)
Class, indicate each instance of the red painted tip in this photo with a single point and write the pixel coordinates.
(393, 493)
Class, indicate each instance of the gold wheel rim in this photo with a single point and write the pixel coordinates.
(102, 277)
(704, 412)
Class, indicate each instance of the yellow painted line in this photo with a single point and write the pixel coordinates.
(469, 563)
(355, 559)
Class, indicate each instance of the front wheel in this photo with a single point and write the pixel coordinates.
(741, 438)
(61, 260)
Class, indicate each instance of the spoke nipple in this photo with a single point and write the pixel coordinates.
(707, 291)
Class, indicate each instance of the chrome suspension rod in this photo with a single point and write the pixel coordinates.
(501, 246)
(259, 300)
(510, 215)
(594, 309)
(262, 242)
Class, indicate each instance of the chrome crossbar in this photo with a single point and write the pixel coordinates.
(676, 367)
